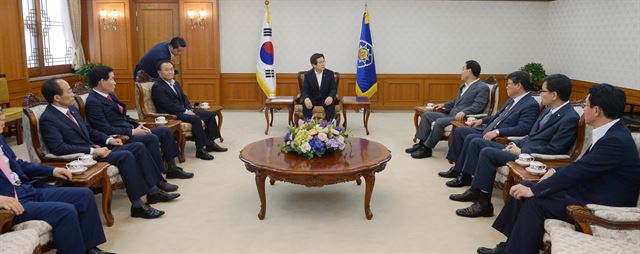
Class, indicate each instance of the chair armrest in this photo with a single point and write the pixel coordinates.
(551, 157)
(424, 109)
(152, 116)
(584, 218)
(501, 140)
(6, 220)
(458, 124)
(478, 116)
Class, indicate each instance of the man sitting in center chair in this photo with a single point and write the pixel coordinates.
(319, 89)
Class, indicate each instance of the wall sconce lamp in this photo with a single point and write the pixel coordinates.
(110, 22)
(196, 20)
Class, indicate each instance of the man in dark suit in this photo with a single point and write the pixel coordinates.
(160, 52)
(515, 118)
(107, 114)
(319, 89)
(64, 132)
(472, 98)
(169, 98)
(71, 212)
(553, 133)
(607, 174)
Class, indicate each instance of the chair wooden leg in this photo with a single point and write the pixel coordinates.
(416, 118)
(219, 114)
(19, 132)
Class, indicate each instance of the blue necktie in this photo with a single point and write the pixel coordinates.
(499, 119)
(545, 118)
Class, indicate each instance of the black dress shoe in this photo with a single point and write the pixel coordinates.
(213, 147)
(413, 148)
(422, 152)
(96, 250)
(203, 155)
(161, 196)
(460, 181)
(449, 173)
(165, 186)
(146, 212)
(469, 195)
(178, 173)
(477, 209)
(501, 248)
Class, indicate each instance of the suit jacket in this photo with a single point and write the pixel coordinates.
(62, 136)
(166, 100)
(25, 170)
(148, 62)
(519, 119)
(607, 174)
(317, 94)
(104, 115)
(556, 136)
(473, 101)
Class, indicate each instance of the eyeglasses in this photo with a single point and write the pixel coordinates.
(545, 91)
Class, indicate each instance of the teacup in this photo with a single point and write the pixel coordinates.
(87, 158)
(161, 119)
(204, 105)
(470, 119)
(429, 106)
(525, 157)
(537, 166)
(74, 165)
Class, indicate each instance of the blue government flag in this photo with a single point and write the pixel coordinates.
(366, 81)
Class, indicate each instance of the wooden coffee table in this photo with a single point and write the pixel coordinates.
(362, 158)
(517, 174)
(276, 103)
(357, 102)
(174, 125)
(93, 175)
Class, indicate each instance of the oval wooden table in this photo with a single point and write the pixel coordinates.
(362, 158)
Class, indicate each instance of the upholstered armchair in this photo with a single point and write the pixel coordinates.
(25, 238)
(318, 111)
(491, 107)
(12, 115)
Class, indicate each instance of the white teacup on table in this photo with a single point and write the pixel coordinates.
(429, 106)
(536, 168)
(204, 105)
(76, 167)
(87, 160)
(524, 159)
(470, 119)
(161, 120)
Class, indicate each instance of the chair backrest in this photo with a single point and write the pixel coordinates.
(144, 102)
(336, 75)
(492, 105)
(583, 136)
(4, 91)
(81, 92)
(33, 107)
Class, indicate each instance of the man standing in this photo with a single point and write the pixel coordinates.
(319, 89)
(170, 99)
(161, 51)
(107, 114)
(472, 98)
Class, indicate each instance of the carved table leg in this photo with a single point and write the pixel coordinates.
(370, 180)
(358, 181)
(106, 198)
(220, 119)
(416, 118)
(344, 114)
(260, 179)
(365, 118)
(271, 123)
(266, 117)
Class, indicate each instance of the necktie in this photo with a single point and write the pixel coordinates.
(7, 172)
(499, 119)
(545, 118)
(120, 108)
(70, 116)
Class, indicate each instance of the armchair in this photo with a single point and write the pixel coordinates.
(318, 111)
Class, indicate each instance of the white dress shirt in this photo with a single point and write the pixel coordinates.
(466, 86)
(598, 133)
(319, 78)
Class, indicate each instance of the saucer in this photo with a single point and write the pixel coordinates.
(535, 171)
(88, 164)
(207, 107)
(523, 163)
(162, 122)
(78, 171)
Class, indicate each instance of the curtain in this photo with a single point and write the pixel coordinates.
(73, 30)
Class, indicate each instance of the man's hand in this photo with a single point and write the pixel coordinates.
(62, 173)
(115, 142)
(10, 203)
(141, 130)
(328, 101)
(476, 123)
(438, 106)
(103, 152)
(490, 135)
(520, 191)
(514, 149)
(307, 103)
(190, 112)
(460, 116)
(550, 172)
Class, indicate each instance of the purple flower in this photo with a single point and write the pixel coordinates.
(287, 136)
(317, 145)
(324, 124)
(338, 128)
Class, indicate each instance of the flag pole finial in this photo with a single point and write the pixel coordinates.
(266, 2)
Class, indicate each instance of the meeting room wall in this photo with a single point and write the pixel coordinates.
(420, 46)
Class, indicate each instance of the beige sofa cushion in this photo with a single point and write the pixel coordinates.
(19, 242)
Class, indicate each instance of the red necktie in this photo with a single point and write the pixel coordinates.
(120, 108)
(7, 172)
(70, 116)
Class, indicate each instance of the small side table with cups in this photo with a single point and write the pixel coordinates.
(520, 170)
(88, 172)
(277, 102)
(174, 125)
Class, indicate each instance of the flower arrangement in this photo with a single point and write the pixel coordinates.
(315, 138)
